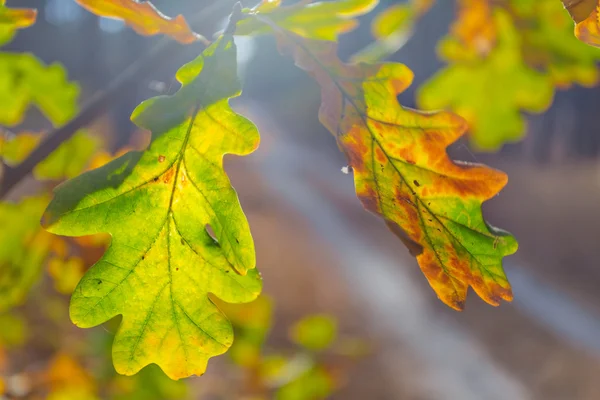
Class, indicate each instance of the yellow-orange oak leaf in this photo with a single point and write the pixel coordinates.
(144, 18)
(588, 30)
(403, 173)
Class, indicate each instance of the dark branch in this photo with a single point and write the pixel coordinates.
(165, 51)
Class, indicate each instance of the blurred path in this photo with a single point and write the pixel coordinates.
(454, 365)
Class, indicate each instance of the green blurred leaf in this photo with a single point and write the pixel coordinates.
(490, 93)
(314, 384)
(157, 205)
(67, 161)
(149, 384)
(391, 29)
(315, 332)
(25, 81)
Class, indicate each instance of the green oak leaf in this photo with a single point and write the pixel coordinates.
(157, 205)
(490, 93)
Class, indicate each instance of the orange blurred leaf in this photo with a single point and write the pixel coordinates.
(588, 30)
(144, 18)
(403, 173)
(16, 18)
(579, 9)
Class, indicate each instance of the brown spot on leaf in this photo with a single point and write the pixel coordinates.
(161, 158)
(168, 176)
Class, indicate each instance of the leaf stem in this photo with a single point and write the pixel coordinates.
(163, 52)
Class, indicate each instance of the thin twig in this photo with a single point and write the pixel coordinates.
(163, 52)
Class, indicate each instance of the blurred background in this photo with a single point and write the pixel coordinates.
(328, 266)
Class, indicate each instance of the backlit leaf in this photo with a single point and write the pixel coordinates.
(143, 17)
(402, 172)
(157, 205)
(322, 20)
(502, 78)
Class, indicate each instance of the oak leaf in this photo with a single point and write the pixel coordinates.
(143, 17)
(403, 173)
(158, 206)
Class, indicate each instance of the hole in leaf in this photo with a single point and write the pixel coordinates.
(211, 232)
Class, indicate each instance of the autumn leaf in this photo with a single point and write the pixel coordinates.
(143, 17)
(403, 174)
(159, 205)
(12, 19)
(321, 21)
(502, 78)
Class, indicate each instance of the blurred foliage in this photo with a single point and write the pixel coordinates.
(515, 66)
(315, 332)
(501, 77)
(25, 81)
(12, 19)
(25, 246)
(504, 57)
(313, 370)
(392, 28)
